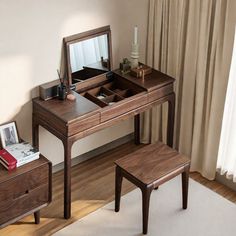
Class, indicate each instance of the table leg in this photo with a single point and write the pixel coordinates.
(67, 178)
(137, 129)
(185, 180)
(37, 217)
(146, 193)
(35, 133)
(118, 185)
(171, 119)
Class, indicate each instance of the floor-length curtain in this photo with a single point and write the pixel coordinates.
(186, 39)
(226, 161)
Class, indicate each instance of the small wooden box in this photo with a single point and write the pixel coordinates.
(49, 90)
(24, 190)
(138, 72)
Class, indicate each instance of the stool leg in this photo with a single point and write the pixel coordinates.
(37, 217)
(146, 193)
(118, 185)
(185, 180)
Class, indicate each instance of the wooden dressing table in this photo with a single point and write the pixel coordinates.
(125, 97)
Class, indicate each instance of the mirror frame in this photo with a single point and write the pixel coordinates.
(67, 41)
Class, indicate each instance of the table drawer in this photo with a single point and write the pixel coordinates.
(160, 92)
(23, 203)
(19, 185)
(83, 124)
(122, 107)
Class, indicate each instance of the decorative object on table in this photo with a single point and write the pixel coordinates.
(71, 97)
(49, 90)
(105, 62)
(7, 160)
(125, 66)
(62, 90)
(141, 71)
(18, 154)
(135, 49)
(8, 133)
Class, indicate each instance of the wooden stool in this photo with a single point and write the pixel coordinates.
(148, 168)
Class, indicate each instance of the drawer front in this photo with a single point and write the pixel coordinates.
(160, 92)
(124, 106)
(83, 124)
(23, 203)
(26, 182)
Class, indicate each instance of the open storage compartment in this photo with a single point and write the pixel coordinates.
(112, 92)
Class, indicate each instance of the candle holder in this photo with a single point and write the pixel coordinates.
(134, 55)
(135, 49)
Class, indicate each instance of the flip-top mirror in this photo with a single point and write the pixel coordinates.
(88, 54)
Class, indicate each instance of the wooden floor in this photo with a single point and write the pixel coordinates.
(92, 187)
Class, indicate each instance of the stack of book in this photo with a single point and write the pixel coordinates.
(18, 154)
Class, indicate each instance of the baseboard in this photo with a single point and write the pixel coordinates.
(95, 152)
(227, 182)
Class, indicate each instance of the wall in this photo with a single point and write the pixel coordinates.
(30, 49)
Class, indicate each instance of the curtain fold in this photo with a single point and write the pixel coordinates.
(186, 39)
(226, 162)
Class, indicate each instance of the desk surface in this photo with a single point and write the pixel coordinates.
(68, 111)
(151, 82)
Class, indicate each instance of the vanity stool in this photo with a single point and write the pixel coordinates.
(149, 167)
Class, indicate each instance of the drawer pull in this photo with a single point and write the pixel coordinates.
(22, 195)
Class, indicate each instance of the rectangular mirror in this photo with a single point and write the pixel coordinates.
(88, 54)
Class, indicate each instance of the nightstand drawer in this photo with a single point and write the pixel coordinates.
(24, 203)
(24, 190)
(18, 186)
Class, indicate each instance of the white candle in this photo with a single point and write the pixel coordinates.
(135, 34)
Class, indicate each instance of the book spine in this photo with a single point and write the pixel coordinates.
(7, 157)
(22, 160)
(27, 161)
(10, 167)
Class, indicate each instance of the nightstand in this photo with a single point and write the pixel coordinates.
(25, 190)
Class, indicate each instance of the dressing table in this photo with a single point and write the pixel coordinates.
(103, 98)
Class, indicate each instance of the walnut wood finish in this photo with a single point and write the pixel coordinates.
(73, 120)
(148, 168)
(25, 191)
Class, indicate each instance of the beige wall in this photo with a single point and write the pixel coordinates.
(31, 35)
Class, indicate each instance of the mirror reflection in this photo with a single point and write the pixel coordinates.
(89, 58)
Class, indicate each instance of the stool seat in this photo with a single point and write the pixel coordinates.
(149, 167)
(153, 162)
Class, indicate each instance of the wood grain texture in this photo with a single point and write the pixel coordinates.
(152, 162)
(149, 167)
(92, 187)
(151, 82)
(24, 190)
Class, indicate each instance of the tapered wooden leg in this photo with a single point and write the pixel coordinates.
(35, 133)
(137, 129)
(185, 180)
(146, 199)
(118, 185)
(67, 179)
(37, 217)
(171, 119)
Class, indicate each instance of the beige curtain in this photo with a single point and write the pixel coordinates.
(191, 40)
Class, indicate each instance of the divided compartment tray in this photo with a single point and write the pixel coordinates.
(112, 92)
(103, 96)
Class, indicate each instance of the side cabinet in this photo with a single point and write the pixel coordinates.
(25, 190)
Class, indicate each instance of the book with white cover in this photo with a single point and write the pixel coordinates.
(23, 152)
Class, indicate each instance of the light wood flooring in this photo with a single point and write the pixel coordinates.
(92, 187)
